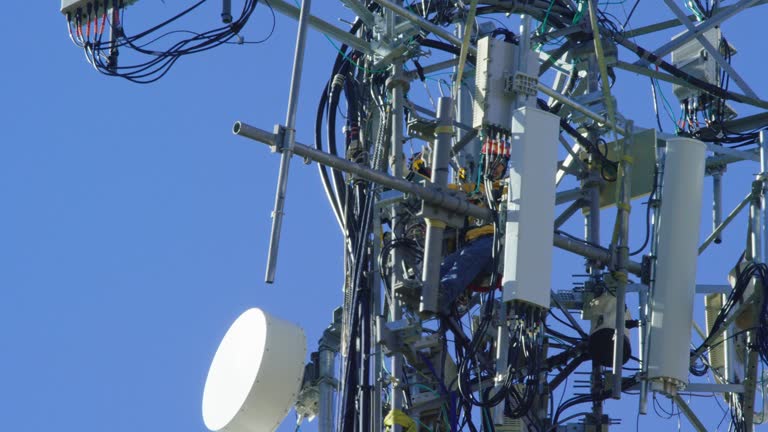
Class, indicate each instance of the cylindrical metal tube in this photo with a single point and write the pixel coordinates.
(622, 232)
(591, 252)
(290, 138)
(757, 220)
(327, 366)
(378, 356)
(642, 306)
(226, 11)
(763, 199)
(674, 285)
(398, 228)
(592, 216)
(433, 251)
(728, 219)
(645, 297)
(618, 341)
(431, 196)
(717, 203)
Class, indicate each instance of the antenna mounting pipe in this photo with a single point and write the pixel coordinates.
(290, 138)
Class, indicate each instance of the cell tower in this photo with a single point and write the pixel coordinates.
(450, 318)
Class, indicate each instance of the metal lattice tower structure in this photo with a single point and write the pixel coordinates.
(526, 134)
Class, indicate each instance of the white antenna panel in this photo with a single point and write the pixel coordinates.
(675, 279)
(530, 207)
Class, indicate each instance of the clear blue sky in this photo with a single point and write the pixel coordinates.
(134, 226)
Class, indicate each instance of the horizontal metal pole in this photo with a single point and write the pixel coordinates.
(743, 124)
(580, 108)
(712, 289)
(322, 26)
(713, 388)
(722, 159)
(700, 288)
(643, 70)
(591, 252)
(738, 154)
(664, 25)
(434, 197)
(413, 74)
(653, 28)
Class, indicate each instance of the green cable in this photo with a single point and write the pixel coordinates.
(579, 13)
(546, 17)
(425, 387)
(479, 171)
(423, 425)
(666, 103)
(695, 9)
(445, 415)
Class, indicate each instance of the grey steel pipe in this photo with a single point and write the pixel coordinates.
(642, 307)
(646, 308)
(731, 216)
(327, 366)
(376, 300)
(433, 251)
(434, 197)
(290, 138)
(591, 252)
(757, 222)
(717, 203)
(226, 11)
(623, 257)
(398, 228)
(697, 424)
(763, 198)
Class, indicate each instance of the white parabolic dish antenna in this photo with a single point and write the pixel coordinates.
(255, 375)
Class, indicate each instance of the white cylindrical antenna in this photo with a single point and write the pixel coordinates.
(530, 207)
(672, 292)
(255, 375)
